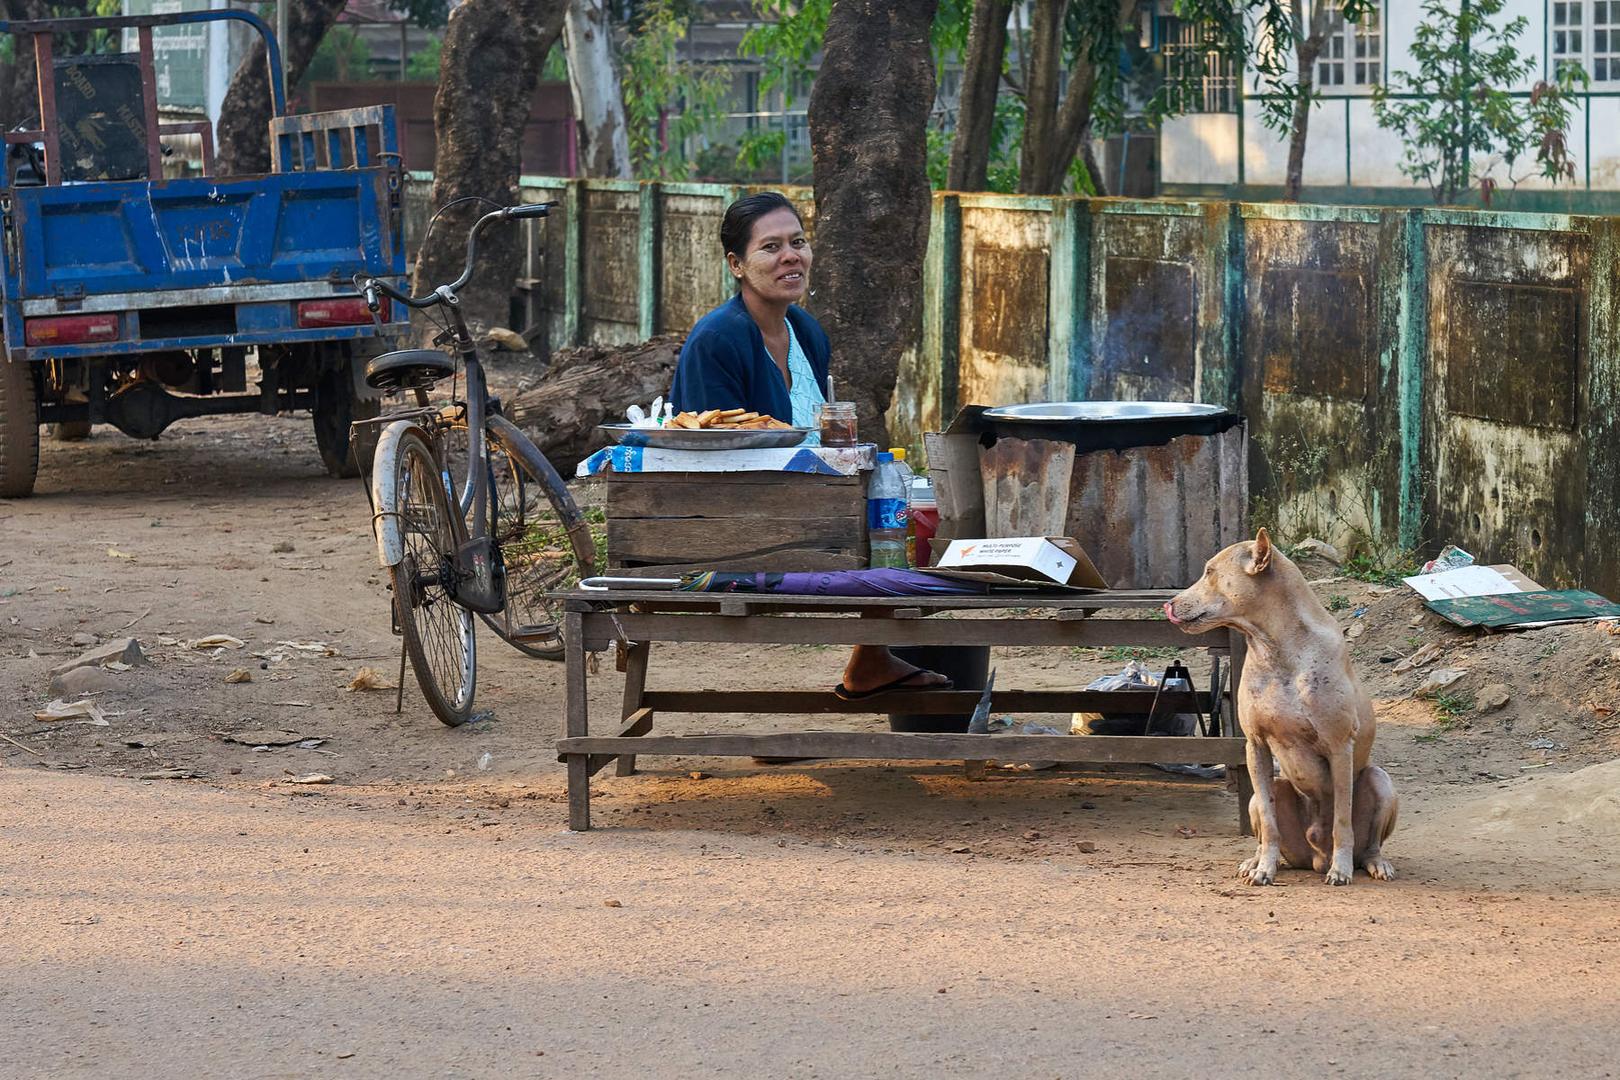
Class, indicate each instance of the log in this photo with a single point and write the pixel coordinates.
(588, 386)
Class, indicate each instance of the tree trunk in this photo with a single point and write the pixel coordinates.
(869, 143)
(242, 135)
(976, 107)
(1088, 154)
(490, 63)
(1324, 21)
(588, 386)
(1041, 97)
(604, 142)
(18, 81)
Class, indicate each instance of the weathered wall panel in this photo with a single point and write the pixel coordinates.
(1507, 331)
(611, 309)
(1145, 294)
(1324, 443)
(691, 281)
(1003, 358)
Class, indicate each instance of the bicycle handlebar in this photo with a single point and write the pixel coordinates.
(448, 293)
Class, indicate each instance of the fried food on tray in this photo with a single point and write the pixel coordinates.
(727, 420)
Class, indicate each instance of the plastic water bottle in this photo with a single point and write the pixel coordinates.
(886, 515)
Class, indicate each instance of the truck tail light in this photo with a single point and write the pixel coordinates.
(70, 329)
(338, 311)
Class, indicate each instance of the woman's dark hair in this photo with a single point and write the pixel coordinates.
(738, 224)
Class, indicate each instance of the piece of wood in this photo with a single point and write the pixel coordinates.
(772, 630)
(670, 540)
(767, 496)
(636, 724)
(903, 746)
(635, 687)
(1151, 600)
(576, 720)
(924, 702)
(587, 386)
(798, 561)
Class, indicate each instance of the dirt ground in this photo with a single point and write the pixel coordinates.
(426, 913)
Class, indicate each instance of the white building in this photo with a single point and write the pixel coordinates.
(1225, 148)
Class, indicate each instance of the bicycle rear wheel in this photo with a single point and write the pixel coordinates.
(545, 541)
(438, 632)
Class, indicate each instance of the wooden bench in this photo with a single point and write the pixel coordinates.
(631, 621)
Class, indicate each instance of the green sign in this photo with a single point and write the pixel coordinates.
(179, 53)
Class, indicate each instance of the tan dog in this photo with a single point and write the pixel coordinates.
(1303, 707)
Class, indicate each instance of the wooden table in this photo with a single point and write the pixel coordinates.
(631, 621)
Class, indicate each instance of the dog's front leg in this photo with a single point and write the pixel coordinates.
(1262, 869)
(1342, 764)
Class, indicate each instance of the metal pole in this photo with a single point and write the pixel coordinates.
(281, 36)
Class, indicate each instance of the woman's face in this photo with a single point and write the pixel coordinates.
(776, 266)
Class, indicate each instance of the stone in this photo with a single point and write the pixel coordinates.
(82, 640)
(82, 680)
(1321, 549)
(1493, 697)
(119, 650)
(505, 340)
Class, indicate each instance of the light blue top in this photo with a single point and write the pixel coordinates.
(805, 394)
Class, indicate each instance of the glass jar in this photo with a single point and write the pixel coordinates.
(836, 420)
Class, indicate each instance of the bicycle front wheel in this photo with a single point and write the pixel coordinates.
(438, 632)
(545, 541)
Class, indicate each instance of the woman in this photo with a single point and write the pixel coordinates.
(761, 351)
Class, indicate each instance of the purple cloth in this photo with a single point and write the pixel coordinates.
(880, 582)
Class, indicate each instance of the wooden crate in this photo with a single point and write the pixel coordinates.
(669, 523)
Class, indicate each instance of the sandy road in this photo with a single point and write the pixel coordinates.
(422, 917)
(181, 931)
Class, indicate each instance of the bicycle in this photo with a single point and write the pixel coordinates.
(513, 535)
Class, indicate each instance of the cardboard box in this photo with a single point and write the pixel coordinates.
(1023, 560)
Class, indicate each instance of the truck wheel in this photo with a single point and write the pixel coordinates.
(70, 430)
(337, 405)
(19, 430)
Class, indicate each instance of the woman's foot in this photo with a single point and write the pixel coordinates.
(872, 666)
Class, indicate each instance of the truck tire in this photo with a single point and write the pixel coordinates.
(19, 430)
(338, 403)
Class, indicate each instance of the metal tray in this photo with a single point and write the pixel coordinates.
(1108, 412)
(704, 438)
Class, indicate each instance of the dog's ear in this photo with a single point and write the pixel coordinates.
(1262, 553)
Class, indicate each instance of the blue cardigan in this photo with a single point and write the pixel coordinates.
(724, 365)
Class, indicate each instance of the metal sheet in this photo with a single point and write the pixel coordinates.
(1102, 412)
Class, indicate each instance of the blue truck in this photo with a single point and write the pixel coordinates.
(135, 299)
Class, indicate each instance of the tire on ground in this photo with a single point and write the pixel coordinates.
(19, 429)
(338, 403)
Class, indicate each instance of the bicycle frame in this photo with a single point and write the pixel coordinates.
(474, 498)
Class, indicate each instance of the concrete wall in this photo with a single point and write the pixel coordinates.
(1413, 376)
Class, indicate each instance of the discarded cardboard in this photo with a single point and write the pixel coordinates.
(1471, 581)
(1521, 609)
(1025, 561)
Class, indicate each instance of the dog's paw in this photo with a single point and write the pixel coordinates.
(1246, 865)
(1258, 875)
(1380, 869)
(1335, 876)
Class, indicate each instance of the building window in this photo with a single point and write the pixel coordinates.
(1198, 77)
(1354, 53)
(1594, 45)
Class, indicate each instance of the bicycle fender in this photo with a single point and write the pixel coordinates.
(385, 523)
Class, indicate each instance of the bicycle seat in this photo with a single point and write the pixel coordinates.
(408, 369)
